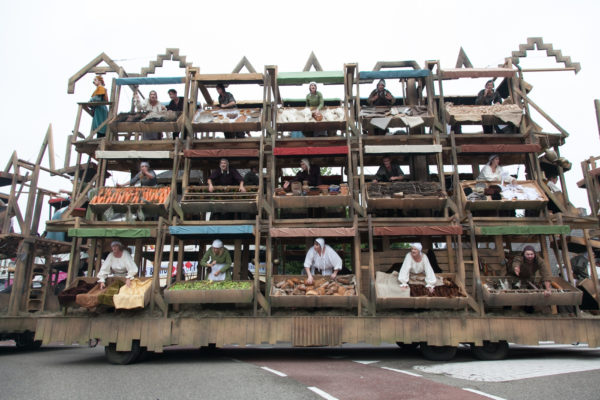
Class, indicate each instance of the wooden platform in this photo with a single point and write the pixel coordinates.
(315, 330)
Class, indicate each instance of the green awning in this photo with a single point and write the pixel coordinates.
(524, 230)
(298, 78)
(110, 232)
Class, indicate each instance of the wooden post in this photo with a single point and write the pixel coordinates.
(237, 259)
(373, 300)
(357, 266)
(475, 257)
(592, 258)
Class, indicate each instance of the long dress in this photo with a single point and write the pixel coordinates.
(100, 112)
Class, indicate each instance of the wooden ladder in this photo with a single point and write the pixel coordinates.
(36, 296)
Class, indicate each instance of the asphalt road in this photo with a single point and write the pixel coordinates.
(350, 372)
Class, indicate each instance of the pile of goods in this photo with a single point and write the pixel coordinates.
(160, 116)
(380, 112)
(511, 191)
(493, 109)
(514, 285)
(235, 115)
(211, 285)
(341, 286)
(448, 289)
(306, 115)
(132, 195)
(298, 189)
(405, 190)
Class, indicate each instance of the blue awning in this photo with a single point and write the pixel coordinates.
(144, 80)
(189, 232)
(394, 74)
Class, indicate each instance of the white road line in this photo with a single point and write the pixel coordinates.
(491, 396)
(321, 393)
(365, 362)
(402, 372)
(510, 370)
(274, 371)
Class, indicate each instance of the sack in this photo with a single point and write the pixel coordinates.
(136, 296)
(106, 297)
(67, 297)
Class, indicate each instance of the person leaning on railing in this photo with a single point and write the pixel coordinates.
(527, 264)
(118, 263)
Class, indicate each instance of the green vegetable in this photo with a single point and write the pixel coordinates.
(211, 285)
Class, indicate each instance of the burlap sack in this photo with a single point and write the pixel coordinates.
(136, 296)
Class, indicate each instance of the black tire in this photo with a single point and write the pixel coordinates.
(122, 357)
(438, 353)
(491, 350)
(24, 341)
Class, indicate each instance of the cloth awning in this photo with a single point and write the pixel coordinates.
(217, 153)
(313, 232)
(500, 148)
(145, 80)
(524, 230)
(403, 149)
(394, 74)
(192, 231)
(298, 78)
(310, 151)
(454, 73)
(417, 230)
(110, 232)
(132, 154)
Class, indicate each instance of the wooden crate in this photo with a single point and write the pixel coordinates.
(490, 204)
(312, 201)
(150, 126)
(529, 297)
(195, 201)
(210, 296)
(480, 115)
(214, 126)
(310, 301)
(405, 203)
(311, 125)
(425, 302)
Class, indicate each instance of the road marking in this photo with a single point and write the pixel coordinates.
(321, 393)
(510, 370)
(402, 372)
(491, 396)
(274, 371)
(365, 362)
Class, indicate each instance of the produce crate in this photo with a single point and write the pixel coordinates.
(311, 301)
(130, 122)
(409, 200)
(227, 120)
(387, 302)
(151, 200)
(504, 204)
(210, 296)
(566, 296)
(197, 199)
(321, 200)
(300, 122)
(497, 114)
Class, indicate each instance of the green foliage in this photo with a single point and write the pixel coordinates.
(210, 285)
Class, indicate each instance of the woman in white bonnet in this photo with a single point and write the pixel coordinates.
(218, 259)
(309, 173)
(416, 262)
(117, 263)
(323, 259)
(492, 171)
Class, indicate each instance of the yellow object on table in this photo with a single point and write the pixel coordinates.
(136, 296)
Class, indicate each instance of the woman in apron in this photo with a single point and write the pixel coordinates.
(218, 259)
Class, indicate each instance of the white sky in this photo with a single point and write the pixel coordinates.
(43, 43)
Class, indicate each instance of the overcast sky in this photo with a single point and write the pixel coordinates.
(44, 43)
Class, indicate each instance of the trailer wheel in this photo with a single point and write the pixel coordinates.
(24, 341)
(407, 346)
(122, 357)
(491, 350)
(437, 353)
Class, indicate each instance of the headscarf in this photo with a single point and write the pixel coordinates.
(417, 246)
(217, 244)
(382, 81)
(321, 242)
(492, 158)
(117, 243)
(307, 163)
(312, 83)
(145, 163)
